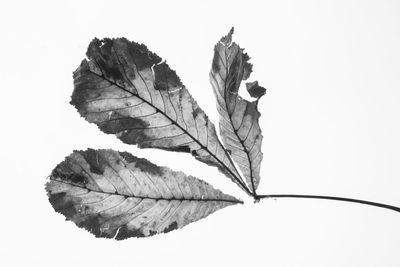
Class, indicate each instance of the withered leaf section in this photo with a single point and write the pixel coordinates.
(116, 195)
(129, 91)
(239, 127)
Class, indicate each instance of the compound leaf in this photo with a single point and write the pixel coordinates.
(116, 195)
(128, 91)
(238, 123)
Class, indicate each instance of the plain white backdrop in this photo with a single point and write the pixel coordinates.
(330, 120)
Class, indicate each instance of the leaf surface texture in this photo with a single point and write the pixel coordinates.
(239, 127)
(129, 91)
(116, 195)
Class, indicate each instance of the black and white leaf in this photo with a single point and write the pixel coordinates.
(129, 91)
(116, 195)
(239, 127)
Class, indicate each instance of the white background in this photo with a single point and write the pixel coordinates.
(330, 122)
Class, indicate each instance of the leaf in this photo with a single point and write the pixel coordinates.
(116, 195)
(128, 91)
(255, 90)
(238, 123)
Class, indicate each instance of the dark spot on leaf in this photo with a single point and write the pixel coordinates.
(93, 47)
(235, 70)
(128, 157)
(95, 161)
(247, 67)
(110, 70)
(54, 198)
(65, 174)
(255, 90)
(134, 136)
(78, 179)
(125, 232)
(183, 148)
(92, 223)
(196, 111)
(102, 53)
(151, 232)
(63, 204)
(143, 164)
(180, 99)
(57, 200)
(180, 149)
(82, 83)
(215, 66)
(146, 166)
(165, 77)
(69, 212)
(113, 125)
(171, 227)
(140, 55)
(96, 170)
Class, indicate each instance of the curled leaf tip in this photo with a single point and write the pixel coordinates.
(255, 90)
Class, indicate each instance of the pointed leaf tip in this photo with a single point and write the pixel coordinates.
(227, 39)
(117, 195)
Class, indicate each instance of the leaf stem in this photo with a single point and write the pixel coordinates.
(365, 202)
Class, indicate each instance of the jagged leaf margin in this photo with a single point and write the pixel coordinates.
(116, 195)
(239, 127)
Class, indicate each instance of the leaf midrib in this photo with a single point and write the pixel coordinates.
(241, 183)
(147, 197)
(234, 130)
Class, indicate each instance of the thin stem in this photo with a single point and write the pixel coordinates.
(380, 205)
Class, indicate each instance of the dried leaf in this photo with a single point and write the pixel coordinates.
(128, 91)
(255, 90)
(239, 127)
(116, 195)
